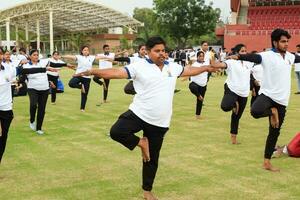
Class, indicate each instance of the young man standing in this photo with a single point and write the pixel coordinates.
(275, 89)
(154, 80)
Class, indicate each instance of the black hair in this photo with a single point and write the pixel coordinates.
(55, 52)
(254, 51)
(140, 46)
(298, 46)
(200, 52)
(81, 49)
(106, 45)
(154, 41)
(237, 48)
(1, 50)
(203, 42)
(22, 49)
(276, 35)
(33, 51)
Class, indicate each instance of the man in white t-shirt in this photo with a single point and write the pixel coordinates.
(105, 64)
(297, 70)
(154, 80)
(275, 88)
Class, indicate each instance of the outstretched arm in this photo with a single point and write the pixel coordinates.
(251, 57)
(192, 71)
(112, 73)
(22, 71)
(103, 58)
(70, 57)
(219, 65)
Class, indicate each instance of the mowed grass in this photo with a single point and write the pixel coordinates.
(75, 159)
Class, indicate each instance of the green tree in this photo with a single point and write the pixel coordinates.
(77, 40)
(185, 20)
(147, 17)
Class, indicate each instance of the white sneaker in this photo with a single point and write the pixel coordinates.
(40, 132)
(32, 126)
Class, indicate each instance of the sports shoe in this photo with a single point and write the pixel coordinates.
(32, 126)
(40, 132)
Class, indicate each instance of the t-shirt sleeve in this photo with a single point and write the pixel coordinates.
(228, 64)
(131, 70)
(44, 62)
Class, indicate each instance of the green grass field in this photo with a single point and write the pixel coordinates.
(75, 159)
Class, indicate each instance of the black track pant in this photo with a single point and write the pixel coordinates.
(54, 80)
(38, 101)
(262, 108)
(5, 120)
(77, 82)
(198, 90)
(228, 103)
(105, 88)
(123, 132)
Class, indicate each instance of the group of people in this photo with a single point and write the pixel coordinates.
(152, 82)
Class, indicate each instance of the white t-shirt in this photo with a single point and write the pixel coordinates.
(238, 79)
(222, 56)
(104, 64)
(84, 63)
(12, 67)
(54, 61)
(154, 91)
(207, 57)
(135, 59)
(297, 65)
(6, 76)
(38, 81)
(277, 76)
(258, 72)
(200, 79)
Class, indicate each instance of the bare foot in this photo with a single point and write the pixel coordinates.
(149, 196)
(52, 84)
(268, 166)
(198, 117)
(233, 139)
(274, 118)
(82, 110)
(200, 98)
(236, 108)
(105, 101)
(144, 145)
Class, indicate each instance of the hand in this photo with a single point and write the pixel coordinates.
(212, 69)
(256, 83)
(86, 73)
(71, 66)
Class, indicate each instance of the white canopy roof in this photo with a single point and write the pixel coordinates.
(68, 16)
